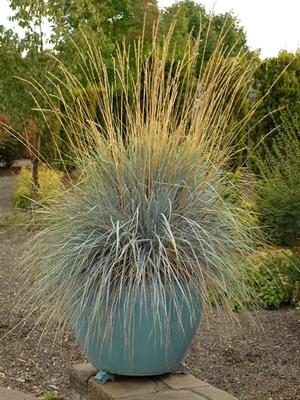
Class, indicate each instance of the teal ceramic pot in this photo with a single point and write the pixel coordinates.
(153, 344)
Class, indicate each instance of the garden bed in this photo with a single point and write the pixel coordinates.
(260, 361)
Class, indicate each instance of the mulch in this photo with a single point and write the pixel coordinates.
(258, 361)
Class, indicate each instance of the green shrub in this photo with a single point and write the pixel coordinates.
(49, 185)
(277, 280)
(278, 191)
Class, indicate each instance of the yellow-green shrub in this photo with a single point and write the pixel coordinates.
(49, 184)
(240, 194)
(277, 280)
(274, 280)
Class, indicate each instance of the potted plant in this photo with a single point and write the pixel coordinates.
(133, 250)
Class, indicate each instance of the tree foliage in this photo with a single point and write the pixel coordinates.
(11, 64)
(192, 17)
(280, 77)
(115, 19)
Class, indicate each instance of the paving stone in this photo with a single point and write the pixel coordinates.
(82, 371)
(76, 396)
(179, 381)
(78, 378)
(124, 387)
(212, 393)
(170, 395)
(9, 394)
(167, 387)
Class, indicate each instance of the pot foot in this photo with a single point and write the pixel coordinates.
(183, 369)
(103, 376)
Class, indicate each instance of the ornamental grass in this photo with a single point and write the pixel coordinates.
(149, 204)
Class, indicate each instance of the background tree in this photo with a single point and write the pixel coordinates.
(191, 17)
(11, 63)
(31, 16)
(116, 19)
(284, 94)
(106, 24)
(12, 95)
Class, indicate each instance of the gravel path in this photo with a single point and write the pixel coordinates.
(7, 182)
(6, 192)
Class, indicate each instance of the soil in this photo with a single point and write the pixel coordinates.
(259, 362)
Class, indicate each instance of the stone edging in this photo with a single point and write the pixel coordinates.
(166, 387)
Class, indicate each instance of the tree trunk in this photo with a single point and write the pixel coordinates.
(35, 172)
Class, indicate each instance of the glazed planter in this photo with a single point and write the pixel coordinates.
(153, 344)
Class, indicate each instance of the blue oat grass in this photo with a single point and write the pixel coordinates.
(149, 203)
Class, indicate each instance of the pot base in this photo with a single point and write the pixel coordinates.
(103, 376)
